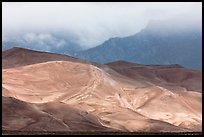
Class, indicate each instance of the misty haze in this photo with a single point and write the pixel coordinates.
(102, 67)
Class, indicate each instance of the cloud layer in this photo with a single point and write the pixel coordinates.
(88, 24)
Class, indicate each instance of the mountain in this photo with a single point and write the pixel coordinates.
(53, 92)
(161, 42)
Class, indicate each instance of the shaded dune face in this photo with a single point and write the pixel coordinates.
(79, 96)
(17, 57)
(23, 116)
(173, 75)
(19, 115)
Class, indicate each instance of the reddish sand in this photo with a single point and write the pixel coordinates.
(51, 92)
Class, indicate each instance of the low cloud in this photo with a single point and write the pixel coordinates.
(87, 24)
(41, 41)
(44, 40)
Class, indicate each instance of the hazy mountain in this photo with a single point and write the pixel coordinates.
(161, 42)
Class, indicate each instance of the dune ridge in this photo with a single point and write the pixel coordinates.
(68, 94)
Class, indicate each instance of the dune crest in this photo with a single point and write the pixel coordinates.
(68, 94)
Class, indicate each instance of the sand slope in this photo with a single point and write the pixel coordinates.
(78, 95)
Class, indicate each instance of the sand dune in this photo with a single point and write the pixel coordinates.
(65, 93)
(173, 75)
(17, 57)
(25, 116)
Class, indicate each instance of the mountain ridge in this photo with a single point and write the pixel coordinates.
(151, 46)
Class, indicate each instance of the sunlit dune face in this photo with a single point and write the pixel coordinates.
(42, 82)
(76, 96)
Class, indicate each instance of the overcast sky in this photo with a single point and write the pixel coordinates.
(89, 24)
